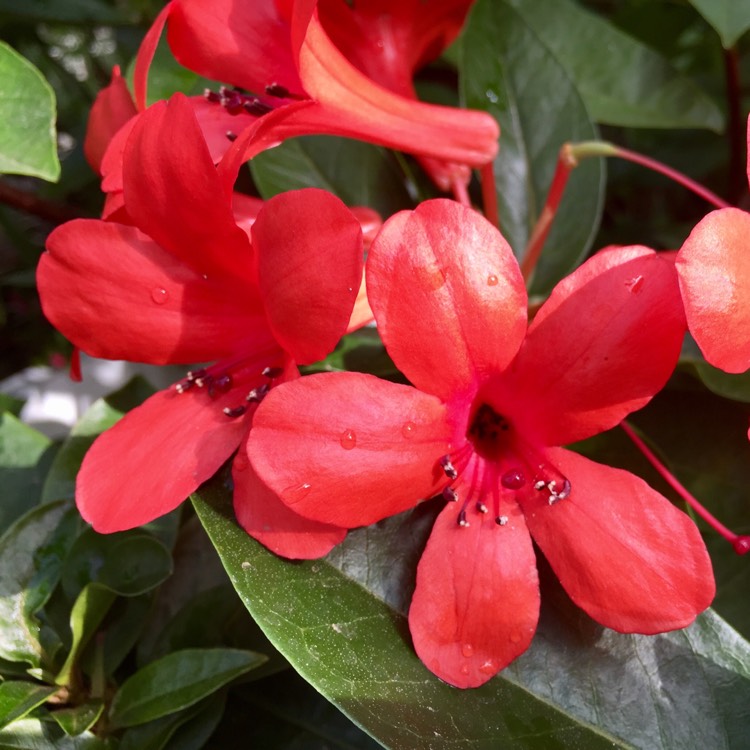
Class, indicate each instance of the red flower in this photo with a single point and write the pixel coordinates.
(353, 65)
(187, 283)
(490, 403)
(714, 270)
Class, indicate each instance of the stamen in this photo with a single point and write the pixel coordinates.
(501, 520)
(272, 372)
(282, 92)
(231, 136)
(257, 394)
(448, 467)
(462, 519)
(450, 495)
(481, 507)
(234, 412)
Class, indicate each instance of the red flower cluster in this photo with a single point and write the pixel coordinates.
(182, 269)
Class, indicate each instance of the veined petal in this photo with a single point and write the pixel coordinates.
(244, 43)
(260, 512)
(448, 296)
(309, 250)
(603, 344)
(476, 604)
(173, 194)
(111, 109)
(358, 107)
(154, 457)
(347, 448)
(116, 294)
(624, 553)
(714, 270)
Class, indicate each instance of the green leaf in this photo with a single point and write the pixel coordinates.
(19, 630)
(326, 162)
(32, 734)
(101, 415)
(340, 622)
(27, 119)
(177, 681)
(89, 610)
(128, 563)
(730, 18)
(507, 70)
(25, 455)
(622, 81)
(79, 719)
(18, 698)
(184, 730)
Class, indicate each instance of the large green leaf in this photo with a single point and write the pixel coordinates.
(19, 630)
(340, 622)
(177, 681)
(33, 734)
(27, 119)
(622, 81)
(18, 698)
(507, 70)
(24, 460)
(358, 173)
(730, 18)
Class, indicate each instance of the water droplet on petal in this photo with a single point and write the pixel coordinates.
(240, 461)
(348, 439)
(515, 637)
(159, 295)
(492, 280)
(488, 667)
(635, 285)
(467, 650)
(407, 430)
(464, 669)
(296, 492)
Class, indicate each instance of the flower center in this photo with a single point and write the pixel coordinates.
(222, 378)
(496, 462)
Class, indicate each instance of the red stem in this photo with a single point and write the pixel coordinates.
(489, 194)
(740, 543)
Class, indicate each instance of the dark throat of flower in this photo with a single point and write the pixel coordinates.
(493, 465)
(238, 102)
(224, 377)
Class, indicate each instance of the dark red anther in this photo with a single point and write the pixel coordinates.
(448, 467)
(450, 495)
(231, 136)
(272, 372)
(234, 412)
(256, 107)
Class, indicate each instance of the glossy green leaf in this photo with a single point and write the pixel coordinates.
(32, 734)
(89, 610)
(729, 385)
(19, 630)
(358, 173)
(25, 455)
(507, 70)
(128, 563)
(18, 698)
(27, 119)
(101, 415)
(622, 81)
(730, 18)
(340, 622)
(79, 719)
(177, 681)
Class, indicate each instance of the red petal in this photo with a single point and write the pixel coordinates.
(476, 604)
(111, 109)
(347, 448)
(151, 460)
(714, 270)
(172, 192)
(447, 294)
(623, 552)
(309, 250)
(243, 43)
(353, 105)
(146, 54)
(603, 344)
(118, 295)
(260, 512)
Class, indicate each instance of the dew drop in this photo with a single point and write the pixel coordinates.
(240, 462)
(515, 637)
(348, 439)
(408, 428)
(464, 669)
(492, 280)
(635, 285)
(467, 650)
(488, 667)
(492, 96)
(296, 492)
(159, 295)
(513, 479)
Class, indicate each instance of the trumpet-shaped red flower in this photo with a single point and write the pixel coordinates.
(714, 269)
(188, 283)
(490, 404)
(352, 63)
